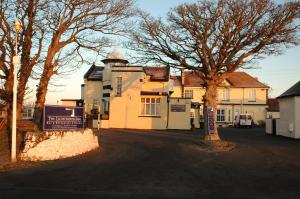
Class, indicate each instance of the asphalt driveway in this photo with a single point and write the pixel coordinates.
(166, 164)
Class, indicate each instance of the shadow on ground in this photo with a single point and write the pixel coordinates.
(166, 164)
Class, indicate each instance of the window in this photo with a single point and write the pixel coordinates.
(221, 115)
(226, 94)
(229, 115)
(105, 107)
(119, 86)
(150, 106)
(252, 95)
(95, 104)
(27, 113)
(188, 94)
(223, 94)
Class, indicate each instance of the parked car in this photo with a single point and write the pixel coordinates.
(243, 120)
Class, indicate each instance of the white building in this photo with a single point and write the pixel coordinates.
(289, 123)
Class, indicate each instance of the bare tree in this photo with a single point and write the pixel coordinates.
(31, 42)
(7, 50)
(55, 37)
(215, 38)
(31, 35)
(76, 26)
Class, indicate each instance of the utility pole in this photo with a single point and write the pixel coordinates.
(16, 63)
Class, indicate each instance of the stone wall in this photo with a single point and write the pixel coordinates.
(57, 145)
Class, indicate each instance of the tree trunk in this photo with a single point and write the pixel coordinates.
(41, 97)
(27, 64)
(210, 104)
(9, 84)
(25, 74)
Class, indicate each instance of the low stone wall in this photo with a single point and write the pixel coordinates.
(58, 145)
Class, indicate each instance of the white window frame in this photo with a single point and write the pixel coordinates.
(189, 93)
(229, 115)
(220, 115)
(27, 113)
(223, 94)
(226, 94)
(252, 95)
(150, 106)
(119, 86)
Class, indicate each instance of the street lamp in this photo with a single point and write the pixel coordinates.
(16, 63)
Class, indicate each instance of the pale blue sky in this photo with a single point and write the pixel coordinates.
(279, 72)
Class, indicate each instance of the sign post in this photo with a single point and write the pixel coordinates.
(211, 121)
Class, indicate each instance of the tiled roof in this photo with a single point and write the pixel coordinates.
(244, 80)
(177, 80)
(273, 105)
(157, 73)
(191, 79)
(236, 79)
(291, 92)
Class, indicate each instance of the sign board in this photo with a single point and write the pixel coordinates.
(211, 120)
(63, 118)
(178, 108)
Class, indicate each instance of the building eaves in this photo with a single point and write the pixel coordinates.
(291, 92)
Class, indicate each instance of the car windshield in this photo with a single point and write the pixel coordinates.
(243, 117)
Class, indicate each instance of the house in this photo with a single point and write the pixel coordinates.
(289, 103)
(127, 96)
(240, 93)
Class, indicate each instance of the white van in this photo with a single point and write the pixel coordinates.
(243, 120)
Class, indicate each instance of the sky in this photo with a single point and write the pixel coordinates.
(278, 72)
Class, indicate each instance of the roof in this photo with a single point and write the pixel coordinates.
(191, 79)
(177, 80)
(95, 73)
(235, 79)
(244, 80)
(115, 56)
(273, 105)
(157, 73)
(121, 61)
(291, 92)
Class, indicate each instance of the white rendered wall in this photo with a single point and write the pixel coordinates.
(286, 124)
